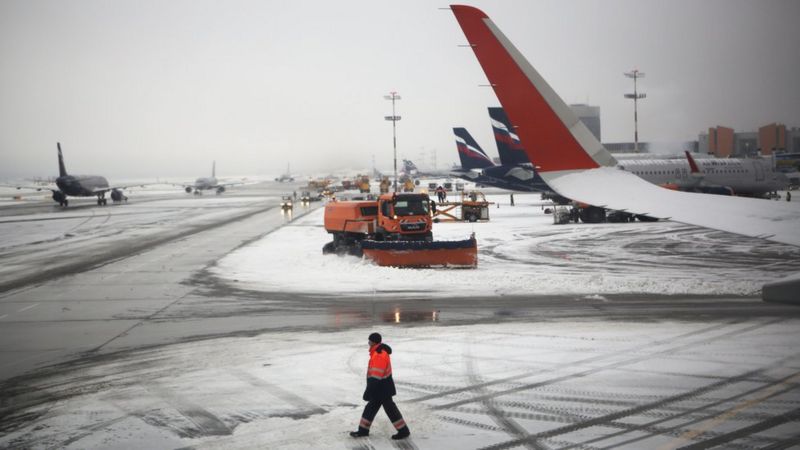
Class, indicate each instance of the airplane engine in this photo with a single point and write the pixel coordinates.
(188, 190)
(116, 195)
(220, 189)
(59, 197)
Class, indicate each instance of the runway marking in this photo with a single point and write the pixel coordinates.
(727, 415)
(28, 307)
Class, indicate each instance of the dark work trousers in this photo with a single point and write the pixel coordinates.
(391, 410)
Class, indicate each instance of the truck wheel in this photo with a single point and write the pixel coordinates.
(472, 217)
(356, 251)
(329, 248)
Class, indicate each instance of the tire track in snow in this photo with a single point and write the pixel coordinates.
(592, 359)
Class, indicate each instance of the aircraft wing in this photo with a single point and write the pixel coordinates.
(120, 187)
(30, 187)
(189, 184)
(619, 190)
(232, 183)
(468, 175)
(575, 165)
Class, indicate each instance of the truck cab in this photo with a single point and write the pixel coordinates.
(404, 216)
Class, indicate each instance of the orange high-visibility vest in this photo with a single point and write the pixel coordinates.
(380, 364)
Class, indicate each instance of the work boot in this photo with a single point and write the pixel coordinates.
(402, 433)
(362, 432)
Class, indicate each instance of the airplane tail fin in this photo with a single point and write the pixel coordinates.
(409, 168)
(62, 170)
(551, 133)
(471, 154)
(508, 145)
(213, 169)
(692, 164)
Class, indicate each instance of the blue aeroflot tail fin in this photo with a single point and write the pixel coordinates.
(62, 170)
(508, 144)
(471, 154)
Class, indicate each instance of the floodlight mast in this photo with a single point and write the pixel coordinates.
(635, 74)
(393, 96)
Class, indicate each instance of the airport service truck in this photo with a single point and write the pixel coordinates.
(394, 230)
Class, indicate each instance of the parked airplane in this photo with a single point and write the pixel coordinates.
(207, 183)
(478, 167)
(287, 176)
(410, 170)
(80, 186)
(574, 164)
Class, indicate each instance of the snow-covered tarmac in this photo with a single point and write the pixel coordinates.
(175, 345)
(521, 252)
(592, 383)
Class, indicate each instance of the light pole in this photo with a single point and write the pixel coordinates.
(635, 74)
(393, 118)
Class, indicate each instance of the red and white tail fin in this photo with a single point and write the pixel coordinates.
(692, 164)
(554, 137)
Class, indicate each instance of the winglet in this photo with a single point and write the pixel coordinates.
(62, 170)
(213, 169)
(550, 132)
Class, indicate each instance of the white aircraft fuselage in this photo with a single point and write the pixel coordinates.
(750, 177)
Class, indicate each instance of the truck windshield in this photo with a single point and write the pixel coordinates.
(412, 207)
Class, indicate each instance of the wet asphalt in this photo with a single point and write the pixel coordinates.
(123, 295)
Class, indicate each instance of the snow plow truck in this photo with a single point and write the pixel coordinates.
(394, 230)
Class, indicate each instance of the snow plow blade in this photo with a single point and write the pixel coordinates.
(462, 254)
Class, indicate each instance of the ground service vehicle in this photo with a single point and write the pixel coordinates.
(306, 197)
(474, 206)
(385, 183)
(395, 230)
(286, 203)
(363, 184)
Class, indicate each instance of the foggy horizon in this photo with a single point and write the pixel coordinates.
(149, 89)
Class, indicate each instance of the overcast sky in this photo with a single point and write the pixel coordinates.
(161, 88)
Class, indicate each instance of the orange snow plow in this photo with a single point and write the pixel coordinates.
(394, 230)
(423, 253)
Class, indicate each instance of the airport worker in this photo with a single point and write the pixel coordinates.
(380, 390)
(788, 196)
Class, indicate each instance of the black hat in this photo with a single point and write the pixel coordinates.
(375, 337)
